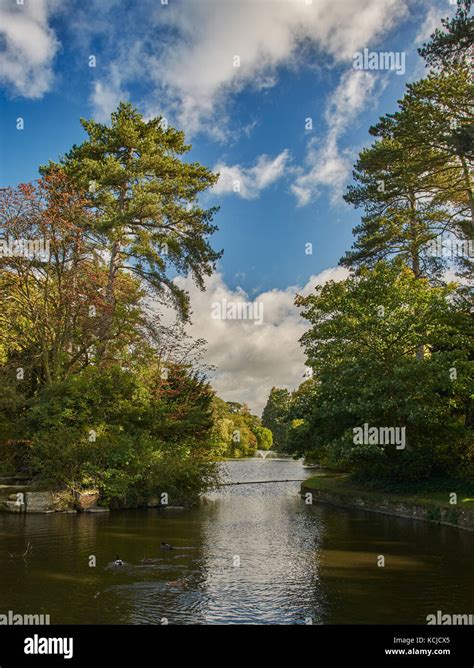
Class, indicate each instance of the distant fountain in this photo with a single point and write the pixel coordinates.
(265, 454)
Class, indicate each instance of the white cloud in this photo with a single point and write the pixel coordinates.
(332, 274)
(431, 22)
(349, 99)
(105, 97)
(192, 68)
(199, 71)
(327, 165)
(250, 358)
(249, 181)
(29, 46)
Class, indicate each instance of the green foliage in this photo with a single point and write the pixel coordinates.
(388, 346)
(415, 182)
(147, 195)
(363, 344)
(274, 416)
(93, 407)
(127, 434)
(264, 438)
(236, 432)
(299, 420)
(453, 44)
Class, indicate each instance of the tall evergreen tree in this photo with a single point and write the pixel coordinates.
(146, 198)
(400, 215)
(436, 120)
(414, 182)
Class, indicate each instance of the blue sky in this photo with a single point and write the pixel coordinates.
(178, 60)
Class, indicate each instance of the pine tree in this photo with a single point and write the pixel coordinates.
(400, 215)
(455, 44)
(414, 182)
(146, 198)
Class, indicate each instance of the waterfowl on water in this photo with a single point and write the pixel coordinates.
(118, 561)
(176, 583)
(148, 560)
(166, 546)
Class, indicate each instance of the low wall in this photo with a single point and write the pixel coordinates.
(455, 516)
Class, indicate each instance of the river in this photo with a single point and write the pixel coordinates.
(248, 554)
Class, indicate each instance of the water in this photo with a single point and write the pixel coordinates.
(249, 554)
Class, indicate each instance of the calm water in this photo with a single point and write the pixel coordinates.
(296, 562)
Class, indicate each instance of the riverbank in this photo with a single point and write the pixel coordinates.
(435, 507)
(18, 494)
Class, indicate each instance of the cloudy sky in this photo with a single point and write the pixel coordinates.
(268, 96)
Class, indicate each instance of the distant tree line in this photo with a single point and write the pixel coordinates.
(236, 432)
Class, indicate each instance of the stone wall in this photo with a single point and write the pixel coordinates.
(456, 516)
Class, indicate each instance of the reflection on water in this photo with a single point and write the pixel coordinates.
(249, 554)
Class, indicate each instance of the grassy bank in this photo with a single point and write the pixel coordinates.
(343, 485)
(429, 505)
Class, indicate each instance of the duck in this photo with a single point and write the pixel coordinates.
(166, 546)
(118, 561)
(148, 560)
(177, 583)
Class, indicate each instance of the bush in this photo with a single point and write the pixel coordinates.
(108, 430)
(14, 457)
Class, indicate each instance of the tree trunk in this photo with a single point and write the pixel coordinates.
(415, 265)
(420, 353)
(467, 178)
(114, 265)
(113, 269)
